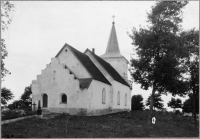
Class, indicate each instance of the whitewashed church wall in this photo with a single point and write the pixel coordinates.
(68, 58)
(118, 87)
(120, 65)
(96, 89)
(95, 98)
(36, 92)
(61, 83)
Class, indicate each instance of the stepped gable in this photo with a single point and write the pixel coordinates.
(114, 74)
(88, 64)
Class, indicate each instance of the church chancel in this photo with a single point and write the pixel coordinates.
(84, 83)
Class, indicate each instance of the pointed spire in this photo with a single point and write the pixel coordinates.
(112, 46)
(112, 50)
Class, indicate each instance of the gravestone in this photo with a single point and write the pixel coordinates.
(34, 106)
(39, 110)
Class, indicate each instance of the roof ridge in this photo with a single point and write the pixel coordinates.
(108, 67)
(93, 70)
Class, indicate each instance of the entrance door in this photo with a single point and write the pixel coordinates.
(45, 100)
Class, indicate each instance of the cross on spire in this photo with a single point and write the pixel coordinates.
(112, 46)
(113, 18)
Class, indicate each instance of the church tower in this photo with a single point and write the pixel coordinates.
(113, 55)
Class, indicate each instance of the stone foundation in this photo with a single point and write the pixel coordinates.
(84, 111)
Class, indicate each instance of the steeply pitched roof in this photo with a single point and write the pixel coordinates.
(112, 50)
(85, 82)
(88, 64)
(112, 46)
(113, 73)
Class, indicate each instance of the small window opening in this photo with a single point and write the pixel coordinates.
(118, 98)
(64, 98)
(103, 96)
(125, 99)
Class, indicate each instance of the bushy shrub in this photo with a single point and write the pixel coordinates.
(16, 113)
(27, 109)
(177, 112)
(136, 102)
(10, 115)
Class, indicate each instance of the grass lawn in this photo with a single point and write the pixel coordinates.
(121, 124)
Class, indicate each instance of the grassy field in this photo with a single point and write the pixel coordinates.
(121, 124)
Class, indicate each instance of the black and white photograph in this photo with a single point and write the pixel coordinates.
(99, 69)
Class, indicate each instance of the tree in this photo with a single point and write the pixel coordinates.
(26, 96)
(188, 104)
(6, 8)
(190, 39)
(159, 50)
(18, 104)
(136, 102)
(175, 103)
(157, 101)
(6, 95)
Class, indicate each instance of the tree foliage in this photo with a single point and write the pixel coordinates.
(175, 103)
(190, 40)
(188, 104)
(159, 49)
(17, 104)
(26, 96)
(6, 95)
(157, 101)
(136, 102)
(6, 8)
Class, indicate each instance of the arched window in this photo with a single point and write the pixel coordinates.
(118, 98)
(45, 100)
(63, 98)
(104, 96)
(125, 99)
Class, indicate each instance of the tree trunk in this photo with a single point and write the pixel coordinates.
(0, 66)
(152, 103)
(194, 109)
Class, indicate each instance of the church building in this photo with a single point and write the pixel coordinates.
(85, 83)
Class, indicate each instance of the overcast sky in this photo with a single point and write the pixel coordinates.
(39, 29)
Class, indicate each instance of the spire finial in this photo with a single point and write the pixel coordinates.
(113, 19)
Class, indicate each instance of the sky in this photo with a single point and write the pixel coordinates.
(39, 29)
